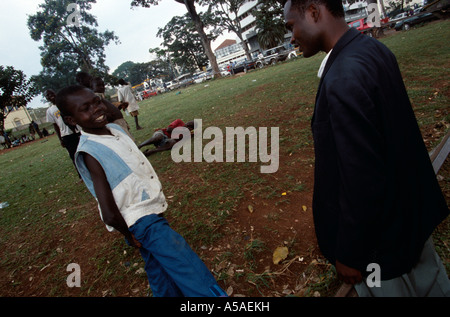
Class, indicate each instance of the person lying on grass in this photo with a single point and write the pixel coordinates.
(162, 138)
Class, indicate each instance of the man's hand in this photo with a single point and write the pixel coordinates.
(347, 274)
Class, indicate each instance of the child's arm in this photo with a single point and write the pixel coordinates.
(110, 212)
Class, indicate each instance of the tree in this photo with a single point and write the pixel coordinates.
(15, 91)
(57, 77)
(395, 7)
(183, 43)
(199, 26)
(70, 41)
(124, 70)
(270, 27)
(227, 11)
(136, 73)
(165, 60)
(140, 72)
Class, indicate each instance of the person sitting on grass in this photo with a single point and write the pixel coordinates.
(162, 138)
(131, 199)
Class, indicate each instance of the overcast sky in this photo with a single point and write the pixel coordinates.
(136, 29)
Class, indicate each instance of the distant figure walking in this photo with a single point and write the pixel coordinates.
(125, 94)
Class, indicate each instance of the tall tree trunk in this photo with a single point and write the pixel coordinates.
(206, 42)
(244, 46)
(238, 32)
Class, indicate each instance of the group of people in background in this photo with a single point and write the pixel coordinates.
(8, 141)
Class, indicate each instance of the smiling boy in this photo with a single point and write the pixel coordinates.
(131, 199)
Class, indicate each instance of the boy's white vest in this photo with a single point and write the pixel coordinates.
(135, 186)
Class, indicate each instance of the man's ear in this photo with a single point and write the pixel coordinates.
(314, 11)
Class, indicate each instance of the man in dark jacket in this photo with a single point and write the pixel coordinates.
(376, 198)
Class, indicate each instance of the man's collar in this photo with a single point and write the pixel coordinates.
(341, 43)
(322, 66)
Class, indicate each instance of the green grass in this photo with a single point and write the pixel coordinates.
(40, 183)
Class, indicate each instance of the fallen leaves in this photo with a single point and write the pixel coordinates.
(280, 254)
(140, 271)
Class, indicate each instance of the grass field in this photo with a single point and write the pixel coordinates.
(53, 221)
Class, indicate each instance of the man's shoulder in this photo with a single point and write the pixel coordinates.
(51, 108)
(366, 48)
(360, 58)
(51, 113)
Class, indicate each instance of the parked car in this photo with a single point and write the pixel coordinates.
(397, 18)
(160, 89)
(224, 71)
(167, 85)
(421, 17)
(244, 66)
(171, 85)
(148, 93)
(201, 77)
(274, 55)
(361, 26)
(184, 80)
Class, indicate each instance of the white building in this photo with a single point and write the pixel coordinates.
(358, 9)
(17, 118)
(230, 51)
(248, 25)
(234, 51)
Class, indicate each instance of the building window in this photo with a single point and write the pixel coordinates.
(17, 122)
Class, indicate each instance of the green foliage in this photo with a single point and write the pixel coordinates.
(226, 12)
(198, 22)
(15, 90)
(270, 27)
(124, 70)
(183, 43)
(136, 73)
(68, 48)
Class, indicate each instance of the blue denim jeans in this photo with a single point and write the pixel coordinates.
(172, 268)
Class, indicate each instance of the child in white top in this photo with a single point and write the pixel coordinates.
(130, 198)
